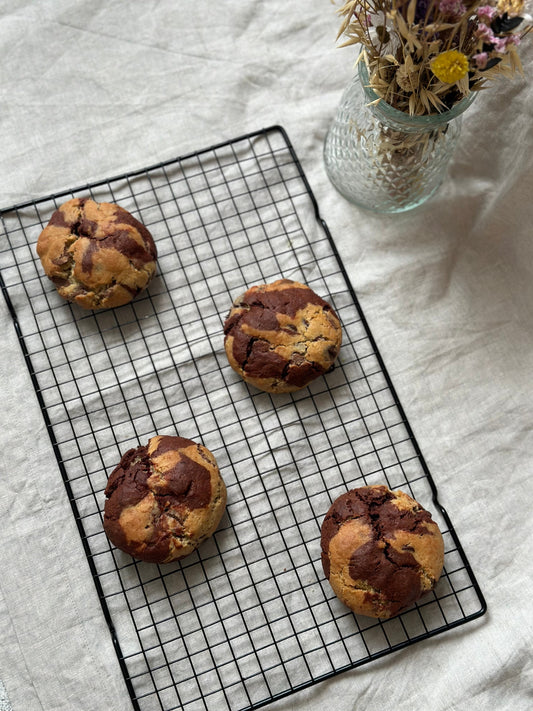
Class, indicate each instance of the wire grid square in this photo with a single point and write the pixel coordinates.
(248, 617)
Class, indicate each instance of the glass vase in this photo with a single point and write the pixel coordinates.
(383, 159)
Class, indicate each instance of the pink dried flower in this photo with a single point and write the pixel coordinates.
(481, 60)
(487, 12)
(484, 33)
(500, 45)
(452, 8)
(513, 39)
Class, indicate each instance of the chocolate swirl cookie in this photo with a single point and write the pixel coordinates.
(164, 499)
(97, 254)
(281, 336)
(380, 550)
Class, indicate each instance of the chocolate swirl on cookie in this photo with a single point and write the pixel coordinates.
(97, 254)
(163, 499)
(380, 550)
(281, 336)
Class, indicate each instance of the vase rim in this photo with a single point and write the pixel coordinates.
(398, 116)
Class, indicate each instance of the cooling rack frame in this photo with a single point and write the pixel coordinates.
(289, 188)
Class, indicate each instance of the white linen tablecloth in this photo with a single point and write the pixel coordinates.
(91, 90)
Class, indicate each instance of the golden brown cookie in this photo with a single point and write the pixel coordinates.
(380, 550)
(164, 499)
(97, 254)
(281, 336)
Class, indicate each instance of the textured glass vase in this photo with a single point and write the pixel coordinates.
(383, 159)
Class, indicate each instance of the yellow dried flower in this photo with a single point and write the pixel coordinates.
(450, 66)
(512, 7)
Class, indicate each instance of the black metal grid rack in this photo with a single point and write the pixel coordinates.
(248, 618)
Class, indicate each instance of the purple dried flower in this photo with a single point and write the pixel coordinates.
(422, 10)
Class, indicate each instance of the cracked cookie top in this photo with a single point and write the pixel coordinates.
(164, 499)
(381, 551)
(281, 336)
(97, 254)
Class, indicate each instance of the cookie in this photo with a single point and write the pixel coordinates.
(97, 254)
(164, 499)
(281, 336)
(381, 551)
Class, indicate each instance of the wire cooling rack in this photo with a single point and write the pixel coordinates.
(249, 617)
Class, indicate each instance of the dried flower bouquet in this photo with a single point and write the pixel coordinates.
(424, 56)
